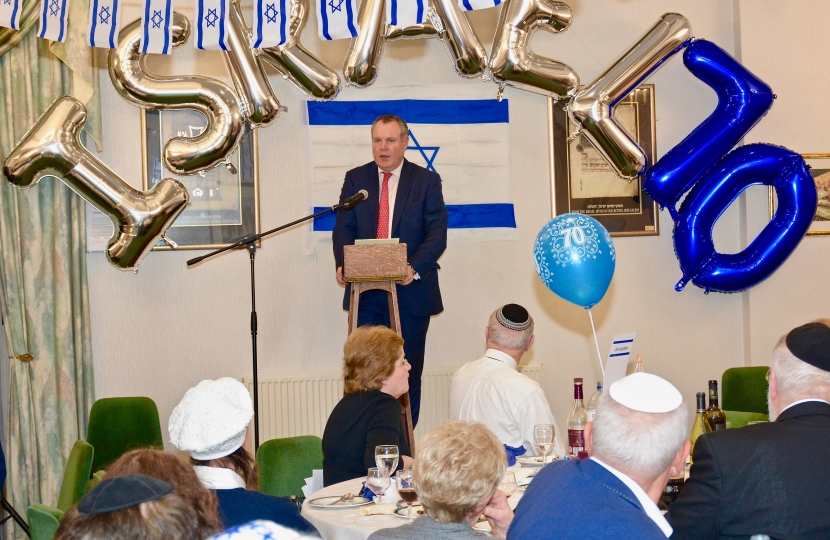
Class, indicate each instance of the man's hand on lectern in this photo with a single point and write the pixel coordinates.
(339, 276)
(410, 275)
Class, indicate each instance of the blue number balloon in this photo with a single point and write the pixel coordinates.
(748, 165)
(575, 258)
(743, 99)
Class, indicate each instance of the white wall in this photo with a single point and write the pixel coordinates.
(159, 332)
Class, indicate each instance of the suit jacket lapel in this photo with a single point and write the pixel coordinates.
(373, 187)
(404, 186)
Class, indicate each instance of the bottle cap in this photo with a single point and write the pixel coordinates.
(578, 380)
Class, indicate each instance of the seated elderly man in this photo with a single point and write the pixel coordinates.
(490, 390)
(768, 478)
(637, 441)
(458, 468)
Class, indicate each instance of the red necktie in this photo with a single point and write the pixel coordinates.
(383, 209)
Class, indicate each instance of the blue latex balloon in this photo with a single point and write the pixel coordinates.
(743, 99)
(575, 258)
(748, 165)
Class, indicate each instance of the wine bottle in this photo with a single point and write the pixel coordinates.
(639, 367)
(592, 402)
(714, 416)
(699, 426)
(576, 421)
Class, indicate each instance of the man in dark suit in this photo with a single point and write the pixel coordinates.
(638, 439)
(770, 478)
(405, 202)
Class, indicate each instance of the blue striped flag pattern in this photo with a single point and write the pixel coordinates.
(212, 25)
(270, 23)
(53, 19)
(156, 23)
(10, 13)
(337, 19)
(403, 13)
(104, 23)
(471, 5)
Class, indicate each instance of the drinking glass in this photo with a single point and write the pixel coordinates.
(508, 484)
(543, 437)
(377, 481)
(406, 489)
(386, 458)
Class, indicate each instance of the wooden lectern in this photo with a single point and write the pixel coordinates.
(379, 266)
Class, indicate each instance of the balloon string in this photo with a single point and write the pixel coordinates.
(596, 342)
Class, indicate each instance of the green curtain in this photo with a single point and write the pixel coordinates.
(43, 276)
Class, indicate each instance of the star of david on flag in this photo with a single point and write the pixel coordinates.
(337, 19)
(104, 23)
(10, 14)
(270, 23)
(53, 19)
(470, 5)
(403, 13)
(460, 131)
(212, 24)
(156, 23)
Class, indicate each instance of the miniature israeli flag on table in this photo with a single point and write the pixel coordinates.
(156, 23)
(337, 19)
(459, 131)
(471, 5)
(270, 23)
(10, 13)
(212, 24)
(53, 15)
(104, 23)
(403, 13)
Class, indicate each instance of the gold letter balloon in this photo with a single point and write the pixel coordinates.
(213, 98)
(53, 146)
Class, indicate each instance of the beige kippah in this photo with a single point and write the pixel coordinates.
(646, 392)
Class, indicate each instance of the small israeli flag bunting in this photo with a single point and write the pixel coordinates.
(53, 15)
(270, 23)
(336, 19)
(403, 13)
(471, 5)
(156, 23)
(211, 24)
(10, 13)
(104, 23)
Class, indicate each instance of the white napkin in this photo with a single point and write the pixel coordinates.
(313, 484)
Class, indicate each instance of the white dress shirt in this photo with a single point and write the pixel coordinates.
(393, 192)
(651, 509)
(490, 390)
(218, 478)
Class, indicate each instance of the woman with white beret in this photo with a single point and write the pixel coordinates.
(210, 423)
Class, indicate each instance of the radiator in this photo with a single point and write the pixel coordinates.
(292, 405)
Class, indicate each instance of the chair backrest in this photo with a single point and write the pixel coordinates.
(284, 464)
(118, 425)
(43, 521)
(745, 389)
(76, 475)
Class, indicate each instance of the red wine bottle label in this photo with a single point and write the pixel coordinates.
(576, 441)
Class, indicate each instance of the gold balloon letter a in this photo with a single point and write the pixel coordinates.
(53, 145)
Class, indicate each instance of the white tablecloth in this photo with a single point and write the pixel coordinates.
(346, 524)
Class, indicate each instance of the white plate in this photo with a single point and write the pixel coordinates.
(325, 502)
(535, 461)
(402, 511)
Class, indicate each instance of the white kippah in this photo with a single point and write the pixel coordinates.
(646, 392)
(211, 419)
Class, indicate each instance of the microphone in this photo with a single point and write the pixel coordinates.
(352, 201)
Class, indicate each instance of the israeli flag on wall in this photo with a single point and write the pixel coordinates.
(212, 24)
(470, 5)
(459, 131)
(104, 23)
(10, 13)
(337, 19)
(53, 15)
(156, 36)
(270, 23)
(403, 13)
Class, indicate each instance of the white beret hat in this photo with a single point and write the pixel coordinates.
(646, 392)
(210, 420)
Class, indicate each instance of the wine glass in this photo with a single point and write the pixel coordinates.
(386, 458)
(406, 489)
(377, 481)
(508, 484)
(543, 437)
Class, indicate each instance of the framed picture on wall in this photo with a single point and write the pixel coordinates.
(224, 205)
(820, 169)
(582, 180)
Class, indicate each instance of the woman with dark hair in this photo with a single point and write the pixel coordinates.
(210, 424)
(375, 375)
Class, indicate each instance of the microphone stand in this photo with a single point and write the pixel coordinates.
(249, 242)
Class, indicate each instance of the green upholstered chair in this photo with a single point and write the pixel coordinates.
(76, 475)
(284, 464)
(95, 480)
(745, 389)
(43, 521)
(738, 419)
(118, 425)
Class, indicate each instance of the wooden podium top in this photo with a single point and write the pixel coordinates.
(374, 262)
